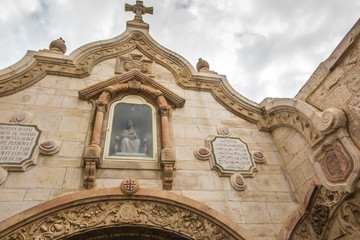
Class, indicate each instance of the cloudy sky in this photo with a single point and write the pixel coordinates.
(266, 48)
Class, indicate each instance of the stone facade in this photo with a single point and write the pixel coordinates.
(68, 97)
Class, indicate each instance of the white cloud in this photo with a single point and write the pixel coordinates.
(266, 48)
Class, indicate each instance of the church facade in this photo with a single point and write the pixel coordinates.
(125, 139)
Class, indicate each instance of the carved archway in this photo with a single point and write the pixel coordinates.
(105, 211)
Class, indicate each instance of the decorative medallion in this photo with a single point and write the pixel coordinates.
(19, 148)
(127, 211)
(230, 155)
(129, 186)
(335, 163)
(49, 147)
(223, 130)
(238, 182)
(259, 157)
(202, 153)
(22, 117)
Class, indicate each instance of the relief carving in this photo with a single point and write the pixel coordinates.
(97, 215)
(335, 164)
(133, 61)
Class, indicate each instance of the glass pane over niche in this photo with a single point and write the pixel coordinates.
(131, 133)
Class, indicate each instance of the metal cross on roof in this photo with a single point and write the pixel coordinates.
(139, 9)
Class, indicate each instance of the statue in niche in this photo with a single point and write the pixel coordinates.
(131, 132)
(131, 140)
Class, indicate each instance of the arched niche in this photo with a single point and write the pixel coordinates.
(108, 212)
(103, 95)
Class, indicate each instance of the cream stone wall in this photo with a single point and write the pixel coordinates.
(295, 151)
(261, 208)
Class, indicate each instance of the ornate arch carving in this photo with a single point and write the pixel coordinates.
(103, 93)
(99, 209)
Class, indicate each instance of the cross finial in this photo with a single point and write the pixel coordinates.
(139, 9)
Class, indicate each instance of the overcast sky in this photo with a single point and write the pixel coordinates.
(266, 48)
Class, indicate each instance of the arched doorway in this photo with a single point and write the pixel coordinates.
(109, 214)
(128, 233)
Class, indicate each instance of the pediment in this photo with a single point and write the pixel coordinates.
(94, 91)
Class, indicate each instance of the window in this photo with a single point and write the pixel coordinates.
(131, 131)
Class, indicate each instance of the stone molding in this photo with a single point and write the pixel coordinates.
(129, 77)
(84, 211)
(36, 65)
(311, 123)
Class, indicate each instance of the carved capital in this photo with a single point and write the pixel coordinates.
(165, 111)
(101, 106)
(134, 85)
(111, 90)
(92, 153)
(167, 156)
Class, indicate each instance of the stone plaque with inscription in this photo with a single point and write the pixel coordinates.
(230, 155)
(18, 146)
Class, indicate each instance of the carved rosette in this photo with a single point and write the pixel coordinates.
(97, 215)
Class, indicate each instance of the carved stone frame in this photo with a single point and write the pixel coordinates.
(129, 162)
(105, 92)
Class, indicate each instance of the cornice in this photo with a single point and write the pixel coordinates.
(36, 65)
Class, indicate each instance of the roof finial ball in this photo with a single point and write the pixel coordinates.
(202, 66)
(58, 45)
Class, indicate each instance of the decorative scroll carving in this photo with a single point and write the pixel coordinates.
(168, 162)
(308, 121)
(97, 215)
(91, 158)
